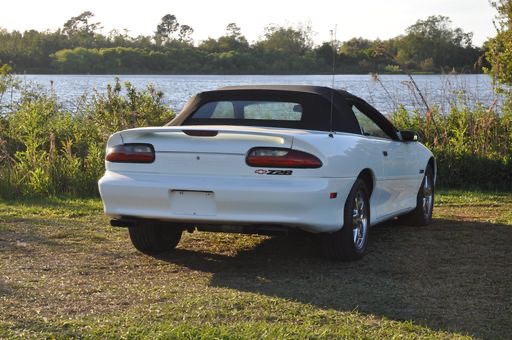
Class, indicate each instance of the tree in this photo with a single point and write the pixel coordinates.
(435, 39)
(185, 35)
(356, 48)
(81, 25)
(233, 31)
(499, 48)
(233, 40)
(82, 31)
(324, 53)
(166, 29)
(119, 38)
(289, 40)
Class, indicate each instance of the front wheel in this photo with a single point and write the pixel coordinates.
(349, 243)
(422, 214)
(154, 238)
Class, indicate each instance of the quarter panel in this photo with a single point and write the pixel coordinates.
(345, 155)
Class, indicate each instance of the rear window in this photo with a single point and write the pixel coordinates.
(275, 109)
(250, 110)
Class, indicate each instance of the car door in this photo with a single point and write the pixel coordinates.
(392, 193)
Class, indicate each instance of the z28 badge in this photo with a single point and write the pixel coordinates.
(274, 172)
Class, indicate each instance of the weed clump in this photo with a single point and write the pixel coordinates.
(47, 150)
(472, 146)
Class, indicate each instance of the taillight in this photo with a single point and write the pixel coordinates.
(131, 153)
(281, 158)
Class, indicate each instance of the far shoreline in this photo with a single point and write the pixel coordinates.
(245, 75)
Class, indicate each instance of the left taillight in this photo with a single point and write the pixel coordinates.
(131, 153)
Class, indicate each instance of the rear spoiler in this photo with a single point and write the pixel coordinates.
(209, 131)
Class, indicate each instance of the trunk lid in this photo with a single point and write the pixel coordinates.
(200, 150)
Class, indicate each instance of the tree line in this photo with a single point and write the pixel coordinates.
(79, 46)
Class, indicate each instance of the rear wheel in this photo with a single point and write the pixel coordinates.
(422, 214)
(349, 243)
(154, 238)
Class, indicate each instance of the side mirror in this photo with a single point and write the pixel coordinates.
(409, 136)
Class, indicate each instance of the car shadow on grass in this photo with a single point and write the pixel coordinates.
(453, 276)
(23, 242)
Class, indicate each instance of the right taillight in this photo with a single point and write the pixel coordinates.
(281, 158)
(131, 153)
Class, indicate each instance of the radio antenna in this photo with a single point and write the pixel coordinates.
(333, 44)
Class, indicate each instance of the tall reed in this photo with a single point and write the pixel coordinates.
(472, 145)
(46, 150)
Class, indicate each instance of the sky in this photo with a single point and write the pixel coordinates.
(369, 19)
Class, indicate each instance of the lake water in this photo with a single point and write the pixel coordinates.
(386, 93)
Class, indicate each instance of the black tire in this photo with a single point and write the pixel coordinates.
(349, 243)
(422, 214)
(155, 238)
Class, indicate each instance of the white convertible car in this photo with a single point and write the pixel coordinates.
(264, 159)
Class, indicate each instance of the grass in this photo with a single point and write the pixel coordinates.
(65, 273)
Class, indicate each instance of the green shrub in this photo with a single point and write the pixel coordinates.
(473, 147)
(45, 150)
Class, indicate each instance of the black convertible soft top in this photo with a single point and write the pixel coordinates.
(316, 101)
(318, 90)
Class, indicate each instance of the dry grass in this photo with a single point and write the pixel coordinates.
(65, 273)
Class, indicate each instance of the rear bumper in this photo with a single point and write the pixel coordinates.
(299, 202)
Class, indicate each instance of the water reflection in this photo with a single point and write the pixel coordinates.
(386, 94)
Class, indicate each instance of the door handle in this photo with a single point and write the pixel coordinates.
(385, 153)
